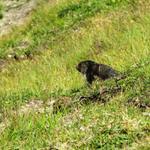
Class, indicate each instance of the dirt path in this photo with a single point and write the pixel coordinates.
(15, 12)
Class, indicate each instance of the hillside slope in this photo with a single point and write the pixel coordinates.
(45, 103)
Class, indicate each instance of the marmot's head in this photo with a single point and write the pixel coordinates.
(83, 66)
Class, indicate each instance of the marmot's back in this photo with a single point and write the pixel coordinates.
(106, 72)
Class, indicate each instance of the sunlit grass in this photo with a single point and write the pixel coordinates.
(1, 10)
(55, 69)
(115, 38)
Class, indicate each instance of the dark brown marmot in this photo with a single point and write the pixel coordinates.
(92, 69)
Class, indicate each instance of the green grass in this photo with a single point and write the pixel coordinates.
(1, 10)
(60, 35)
(47, 23)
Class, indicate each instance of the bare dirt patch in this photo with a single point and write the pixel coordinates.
(36, 106)
(15, 12)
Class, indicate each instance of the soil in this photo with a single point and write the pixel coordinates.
(14, 14)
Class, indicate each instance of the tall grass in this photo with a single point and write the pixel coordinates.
(56, 67)
(48, 22)
(1, 10)
(117, 36)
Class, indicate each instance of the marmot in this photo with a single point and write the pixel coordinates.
(92, 69)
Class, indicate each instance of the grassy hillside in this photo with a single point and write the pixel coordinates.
(1, 10)
(57, 36)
